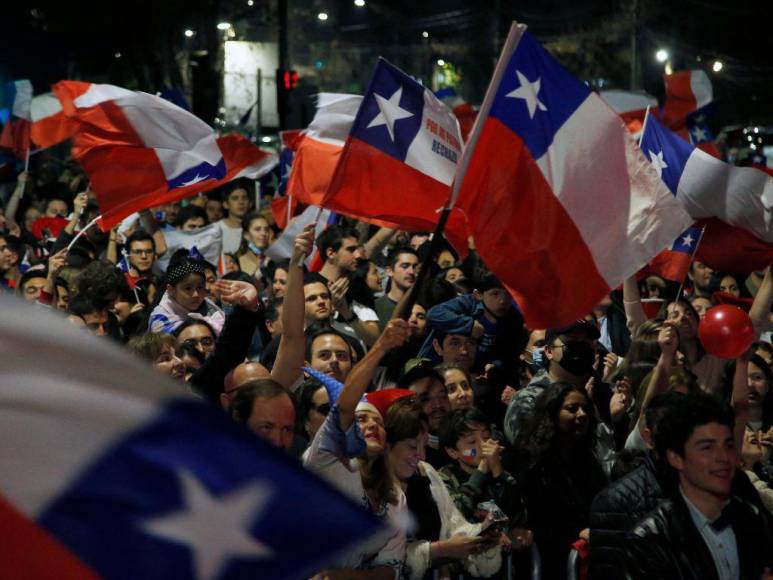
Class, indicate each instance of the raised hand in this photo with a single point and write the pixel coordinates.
(395, 334)
(238, 293)
(304, 242)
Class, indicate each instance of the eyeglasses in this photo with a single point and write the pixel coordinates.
(322, 409)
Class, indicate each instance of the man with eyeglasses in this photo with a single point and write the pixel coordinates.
(142, 253)
(570, 353)
(198, 334)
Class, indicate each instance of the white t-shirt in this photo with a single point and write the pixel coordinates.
(232, 237)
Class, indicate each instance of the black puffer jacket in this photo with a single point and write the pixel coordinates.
(614, 512)
(666, 545)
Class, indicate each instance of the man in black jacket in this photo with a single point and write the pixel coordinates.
(704, 531)
(622, 504)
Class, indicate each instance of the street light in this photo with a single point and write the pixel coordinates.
(250, 2)
(189, 33)
(441, 62)
(322, 16)
(359, 3)
(425, 34)
(717, 66)
(223, 25)
(661, 55)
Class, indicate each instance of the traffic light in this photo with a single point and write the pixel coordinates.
(286, 82)
(290, 79)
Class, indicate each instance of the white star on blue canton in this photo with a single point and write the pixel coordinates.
(658, 162)
(699, 135)
(215, 529)
(529, 92)
(688, 240)
(197, 179)
(390, 112)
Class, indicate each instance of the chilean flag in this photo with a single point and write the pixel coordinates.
(111, 470)
(284, 206)
(17, 96)
(562, 204)
(49, 123)
(465, 113)
(140, 150)
(674, 263)
(400, 158)
(687, 91)
(319, 149)
(741, 197)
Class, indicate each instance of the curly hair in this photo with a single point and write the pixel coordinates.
(539, 435)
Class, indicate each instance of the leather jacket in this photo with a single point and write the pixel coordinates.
(666, 544)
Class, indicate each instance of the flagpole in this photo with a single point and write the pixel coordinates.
(644, 125)
(692, 259)
(405, 305)
(27, 160)
(83, 231)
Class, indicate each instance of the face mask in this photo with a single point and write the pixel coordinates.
(537, 359)
(577, 358)
(254, 249)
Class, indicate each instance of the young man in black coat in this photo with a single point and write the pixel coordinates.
(703, 531)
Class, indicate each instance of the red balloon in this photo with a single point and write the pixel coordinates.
(726, 331)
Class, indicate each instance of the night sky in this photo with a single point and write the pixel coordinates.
(48, 41)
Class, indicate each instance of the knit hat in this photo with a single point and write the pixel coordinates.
(380, 401)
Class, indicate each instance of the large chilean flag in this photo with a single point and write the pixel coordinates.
(562, 204)
(736, 202)
(400, 157)
(140, 150)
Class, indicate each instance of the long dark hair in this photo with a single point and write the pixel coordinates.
(538, 438)
(405, 419)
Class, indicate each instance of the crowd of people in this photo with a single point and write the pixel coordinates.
(615, 439)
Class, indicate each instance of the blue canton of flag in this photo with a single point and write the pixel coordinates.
(550, 94)
(667, 152)
(391, 113)
(190, 495)
(688, 241)
(286, 156)
(123, 264)
(697, 125)
(198, 173)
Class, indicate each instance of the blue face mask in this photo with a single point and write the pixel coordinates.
(254, 249)
(537, 358)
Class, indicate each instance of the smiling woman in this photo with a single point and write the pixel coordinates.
(559, 471)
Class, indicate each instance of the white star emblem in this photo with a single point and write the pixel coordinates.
(529, 92)
(390, 112)
(198, 178)
(688, 240)
(699, 135)
(658, 162)
(215, 529)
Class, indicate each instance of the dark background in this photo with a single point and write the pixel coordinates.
(48, 41)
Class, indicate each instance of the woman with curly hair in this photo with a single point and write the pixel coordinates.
(559, 472)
